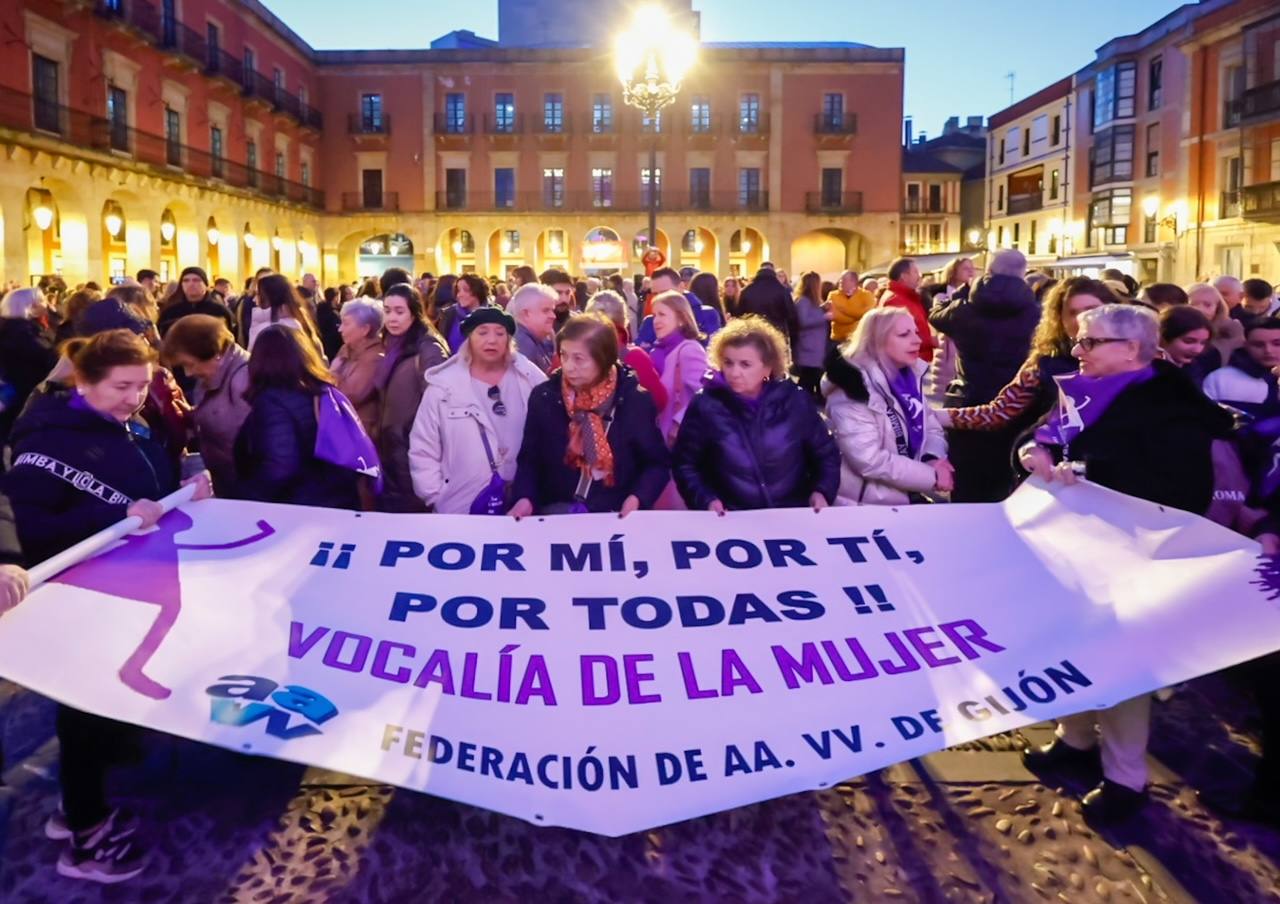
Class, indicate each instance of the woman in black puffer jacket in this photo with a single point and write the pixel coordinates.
(752, 439)
(275, 448)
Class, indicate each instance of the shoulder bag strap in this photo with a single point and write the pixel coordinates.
(484, 438)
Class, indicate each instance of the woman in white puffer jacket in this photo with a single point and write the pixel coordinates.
(892, 447)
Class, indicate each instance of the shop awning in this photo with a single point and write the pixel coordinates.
(1082, 261)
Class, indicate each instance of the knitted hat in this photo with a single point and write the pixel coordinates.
(195, 271)
(109, 314)
(488, 314)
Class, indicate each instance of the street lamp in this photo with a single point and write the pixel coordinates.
(652, 58)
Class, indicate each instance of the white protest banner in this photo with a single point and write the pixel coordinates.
(614, 675)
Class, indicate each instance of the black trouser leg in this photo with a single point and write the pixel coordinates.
(1264, 674)
(981, 460)
(90, 745)
(810, 379)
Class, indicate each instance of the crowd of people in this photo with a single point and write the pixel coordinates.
(544, 394)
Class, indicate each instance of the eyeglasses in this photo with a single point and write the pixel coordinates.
(499, 408)
(1089, 343)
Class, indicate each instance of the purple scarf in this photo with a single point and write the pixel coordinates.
(905, 386)
(1082, 400)
(662, 348)
(387, 363)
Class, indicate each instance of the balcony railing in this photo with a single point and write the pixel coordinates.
(21, 112)
(170, 34)
(447, 124)
(922, 205)
(356, 200)
(1229, 205)
(364, 124)
(503, 125)
(1261, 202)
(1263, 100)
(553, 126)
(833, 202)
(835, 124)
(752, 125)
(1026, 203)
(572, 201)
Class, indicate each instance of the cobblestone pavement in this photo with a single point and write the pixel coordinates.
(968, 824)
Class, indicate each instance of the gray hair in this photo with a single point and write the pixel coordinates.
(366, 312)
(527, 295)
(1126, 321)
(610, 305)
(1009, 262)
(20, 302)
(1228, 281)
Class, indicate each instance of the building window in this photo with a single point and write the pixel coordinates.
(1031, 239)
(511, 241)
(277, 82)
(251, 160)
(935, 198)
(279, 165)
(689, 242)
(602, 113)
(1232, 89)
(371, 188)
(1000, 236)
(1004, 143)
(1149, 225)
(651, 123)
(504, 187)
(1000, 197)
(466, 243)
(302, 95)
(1231, 178)
(1055, 184)
(553, 112)
(935, 234)
(832, 187)
(700, 114)
(1108, 219)
(371, 113)
(749, 114)
(250, 66)
(1112, 155)
(118, 118)
(553, 187)
(504, 112)
(602, 187)
(44, 78)
(1155, 79)
(749, 188)
(455, 188)
(1057, 130)
(305, 174)
(700, 188)
(555, 242)
(833, 111)
(651, 182)
(455, 115)
(215, 150)
(214, 41)
(172, 137)
(1114, 93)
(1026, 142)
(1017, 231)
(1153, 149)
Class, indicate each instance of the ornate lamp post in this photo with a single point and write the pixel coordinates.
(652, 58)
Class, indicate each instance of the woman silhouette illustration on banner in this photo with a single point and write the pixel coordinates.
(144, 567)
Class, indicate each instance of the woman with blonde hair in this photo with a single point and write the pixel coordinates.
(892, 447)
(752, 438)
(611, 306)
(1228, 333)
(678, 356)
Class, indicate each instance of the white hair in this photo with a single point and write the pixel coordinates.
(527, 295)
(366, 312)
(20, 302)
(1228, 281)
(1126, 321)
(1009, 262)
(610, 304)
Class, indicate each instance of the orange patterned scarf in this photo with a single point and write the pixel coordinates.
(588, 443)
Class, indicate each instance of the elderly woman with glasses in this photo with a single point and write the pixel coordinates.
(467, 433)
(355, 367)
(1145, 430)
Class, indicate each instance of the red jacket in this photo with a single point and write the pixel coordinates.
(900, 296)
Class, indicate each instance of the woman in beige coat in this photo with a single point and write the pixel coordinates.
(356, 364)
(203, 347)
(892, 447)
